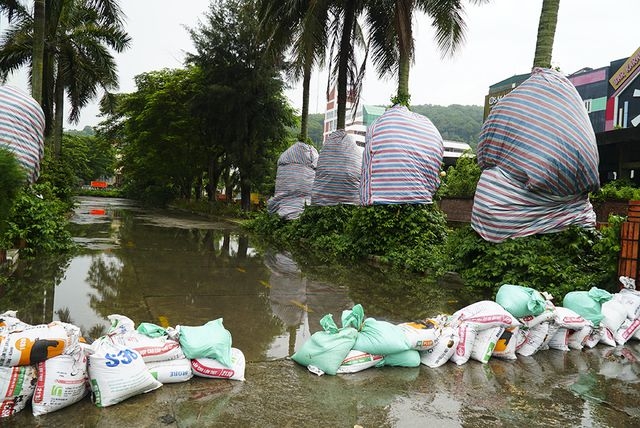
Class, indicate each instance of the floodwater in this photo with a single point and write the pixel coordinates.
(170, 268)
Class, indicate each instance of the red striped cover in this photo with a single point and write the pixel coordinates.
(539, 159)
(22, 129)
(338, 172)
(294, 180)
(401, 160)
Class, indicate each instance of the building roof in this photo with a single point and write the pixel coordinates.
(508, 83)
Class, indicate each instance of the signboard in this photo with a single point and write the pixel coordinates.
(627, 69)
(492, 99)
(99, 184)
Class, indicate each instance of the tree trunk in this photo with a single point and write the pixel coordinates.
(56, 137)
(403, 15)
(245, 194)
(343, 61)
(38, 49)
(546, 33)
(304, 118)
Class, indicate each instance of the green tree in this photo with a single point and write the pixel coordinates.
(12, 179)
(546, 33)
(253, 113)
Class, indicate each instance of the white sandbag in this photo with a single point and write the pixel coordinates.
(16, 388)
(534, 338)
(33, 344)
(467, 333)
(210, 368)
(486, 314)
(507, 343)
(422, 335)
(62, 381)
(356, 361)
(570, 319)
(631, 300)
(613, 314)
(553, 328)
(626, 331)
(485, 342)
(117, 373)
(444, 348)
(172, 371)
(578, 338)
(607, 336)
(10, 323)
(560, 340)
(532, 321)
(120, 324)
(594, 337)
(150, 348)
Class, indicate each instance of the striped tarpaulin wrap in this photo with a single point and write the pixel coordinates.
(294, 180)
(22, 129)
(338, 174)
(503, 209)
(401, 160)
(539, 147)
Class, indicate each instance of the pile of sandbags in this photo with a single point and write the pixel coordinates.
(338, 172)
(294, 181)
(539, 161)
(52, 366)
(401, 160)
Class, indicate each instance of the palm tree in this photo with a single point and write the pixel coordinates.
(546, 33)
(76, 59)
(390, 24)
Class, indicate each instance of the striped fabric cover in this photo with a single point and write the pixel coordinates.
(401, 160)
(539, 159)
(338, 174)
(22, 129)
(294, 180)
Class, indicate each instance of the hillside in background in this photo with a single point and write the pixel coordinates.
(455, 122)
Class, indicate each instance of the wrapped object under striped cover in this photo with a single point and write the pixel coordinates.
(401, 160)
(294, 180)
(539, 159)
(22, 129)
(338, 173)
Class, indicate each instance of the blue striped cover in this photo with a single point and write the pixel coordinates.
(294, 180)
(539, 159)
(401, 160)
(338, 174)
(22, 129)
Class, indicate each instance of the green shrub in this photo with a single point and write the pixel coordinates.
(12, 179)
(461, 180)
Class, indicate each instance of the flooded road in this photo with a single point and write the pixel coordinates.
(171, 269)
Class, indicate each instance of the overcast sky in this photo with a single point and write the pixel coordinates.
(500, 42)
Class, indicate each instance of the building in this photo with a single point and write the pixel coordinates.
(611, 96)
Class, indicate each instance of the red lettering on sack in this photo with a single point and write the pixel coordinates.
(39, 392)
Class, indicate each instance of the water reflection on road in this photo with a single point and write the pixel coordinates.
(170, 268)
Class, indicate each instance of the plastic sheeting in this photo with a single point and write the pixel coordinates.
(401, 160)
(339, 170)
(22, 129)
(539, 159)
(294, 181)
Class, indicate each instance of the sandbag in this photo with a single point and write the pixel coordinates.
(356, 361)
(560, 340)
(631, 301)
(22, 129)
(578, 337)
(62, 381)
(587, 304)
(485, 314)
(520, 301)
(534, 337)
(294, 181)
(338, 173)
(614, 313)
(171, 371)
(626, 331)
(506, 344)
(539, 161)
(408, 358)
(10, 323)
(33, 344)
(117, 373)
(375, 337)
(151, 349)
(16, 388)
(326, 349)
(210, 340)
(467, 333)
(213, 369)
(422, 335)
(401, 160)
(485, 343)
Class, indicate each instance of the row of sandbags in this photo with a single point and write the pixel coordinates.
(52, 366)
(400, 165)
(521, 322)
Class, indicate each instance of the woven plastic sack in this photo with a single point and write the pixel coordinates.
(520, 301)
(210, 340)
(210, 368)
(294, 181)
(16, 388)
(375, 337)
(587, 304)
(328, 348)
(356, 361)
(539, 158)
(408, 358)
(339, 170)
(402, 158)
(172, 371)
(33, 344)
(22, 129)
